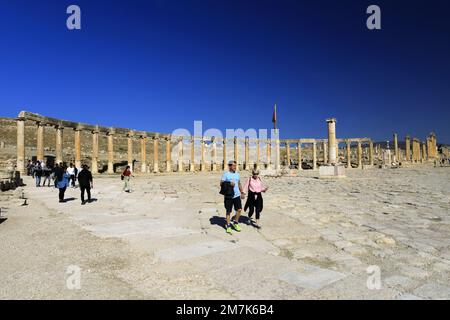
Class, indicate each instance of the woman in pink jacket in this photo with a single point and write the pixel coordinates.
(254, 187)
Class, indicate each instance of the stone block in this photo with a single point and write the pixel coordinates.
(332, 171)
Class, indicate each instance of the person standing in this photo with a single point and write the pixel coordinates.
(126, 177)
(85, 183)
(232, 201)
(62, 178)
(254, 188)
(38, 173)
(47, 171)
(71, 172)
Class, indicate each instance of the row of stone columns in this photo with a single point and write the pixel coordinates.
(420, 152)
(143, 139)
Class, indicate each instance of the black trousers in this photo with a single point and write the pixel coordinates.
(72, 179)
(61, 193)
(88, 191)
(254, 203)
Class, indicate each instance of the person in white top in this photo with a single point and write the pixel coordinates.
(71, 172)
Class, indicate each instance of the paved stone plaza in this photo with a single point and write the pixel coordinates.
(165, 240)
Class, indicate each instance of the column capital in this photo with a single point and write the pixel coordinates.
(111, 132)
(130, 134)
(331, 120)
(79, 127)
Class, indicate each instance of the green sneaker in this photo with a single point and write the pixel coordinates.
(229, 230)
(237, 227)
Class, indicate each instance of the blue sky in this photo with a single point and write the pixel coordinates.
(160, 65)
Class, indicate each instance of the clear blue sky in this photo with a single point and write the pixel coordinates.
(160, 65)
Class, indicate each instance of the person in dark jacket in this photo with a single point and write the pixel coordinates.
(85, 182)
(62, 178)
(38, 173)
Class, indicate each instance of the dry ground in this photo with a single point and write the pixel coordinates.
(165, 240)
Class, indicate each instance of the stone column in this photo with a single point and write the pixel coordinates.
(349, 154)
(180, 154)
(143, 139)
(21, 167)
(397, 156)
(155, 154)
(299, 155)
(359, 155)
(332, 154)
(415, 155)
(371, 153)
(433, 146)
(246, 154)
(213, 154)
(314, 151)
(236, 152)
(277, 151)
(168, 154)
(202, 154)
(408, 148)
(224, 149)
(192, 162)
(288, 153)
(258, 153)
(325, 152)
(130, 136)
(59, 143)
(40, 141)
(94, 163)
(268, 153)
(424, 152)
(110, 135)
(78, 146)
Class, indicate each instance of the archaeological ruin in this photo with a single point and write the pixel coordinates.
(108, 150)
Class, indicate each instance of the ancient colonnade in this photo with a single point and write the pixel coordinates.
(272, 159)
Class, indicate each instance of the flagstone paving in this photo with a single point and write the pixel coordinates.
(165, 240)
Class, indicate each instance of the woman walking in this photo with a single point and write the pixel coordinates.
(126, 177)
(254, 187)
(62, 181)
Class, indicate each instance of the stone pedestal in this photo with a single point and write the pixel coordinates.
(332, 171)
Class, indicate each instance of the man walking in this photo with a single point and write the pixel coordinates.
(232, 200)
(85, 183)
